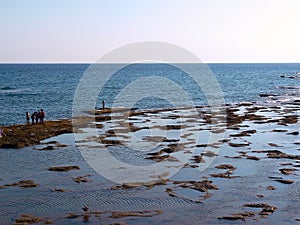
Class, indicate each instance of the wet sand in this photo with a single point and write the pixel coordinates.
(254, 176)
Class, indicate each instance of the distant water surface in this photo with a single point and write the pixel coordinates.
(29, 87)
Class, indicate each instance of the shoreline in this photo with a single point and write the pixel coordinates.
(259, 160)
(22, 135)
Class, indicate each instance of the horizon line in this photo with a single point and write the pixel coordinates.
(207, 62)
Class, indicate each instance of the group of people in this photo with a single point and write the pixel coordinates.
(36, 117)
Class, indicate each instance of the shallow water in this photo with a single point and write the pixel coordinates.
(32, 163)
(28, 87)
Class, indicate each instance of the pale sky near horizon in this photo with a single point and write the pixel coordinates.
(84, 30)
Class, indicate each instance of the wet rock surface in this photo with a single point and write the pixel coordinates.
(23, 184)
(148, 184)
(284, 181)
(266, 210)
(202, 186)
(63, 168)
(94, 216)
(27, 219)
(59, 190)
(249, 154)
(287, 171)
(18, 136)
(82, 179)
(227, 174)
(145, 213)
(238, 216)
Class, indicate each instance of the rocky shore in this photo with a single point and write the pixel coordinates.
(256, 170)
(18, 136)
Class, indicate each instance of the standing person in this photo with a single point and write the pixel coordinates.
(37, 116)
(103, 104)
(33, 117)
(28, 117)
(42, 116)
(2, 134)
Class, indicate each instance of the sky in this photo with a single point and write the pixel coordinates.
(82, 31)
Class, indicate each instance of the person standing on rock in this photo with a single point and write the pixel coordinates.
(37, 116)
(28, 117)
(33, 117)
(103, 104)
(2, 134)
(42, 116)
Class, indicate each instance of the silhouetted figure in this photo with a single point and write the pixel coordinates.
(42, 116)
(28, 117)
(33, 117)
(103, 104)
(37, 116)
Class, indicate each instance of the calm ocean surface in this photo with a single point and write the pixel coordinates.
(53, 87)
(28, 87)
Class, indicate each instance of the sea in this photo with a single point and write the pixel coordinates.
(52, 87)
(56, 88)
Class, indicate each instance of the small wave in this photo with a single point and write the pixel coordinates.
(8, 90)
(284, 99)
(287, 95)
(289, 87)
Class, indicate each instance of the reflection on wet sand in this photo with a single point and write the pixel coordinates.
(258, 158)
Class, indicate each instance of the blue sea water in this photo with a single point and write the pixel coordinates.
(52, 87)
(29, 87)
